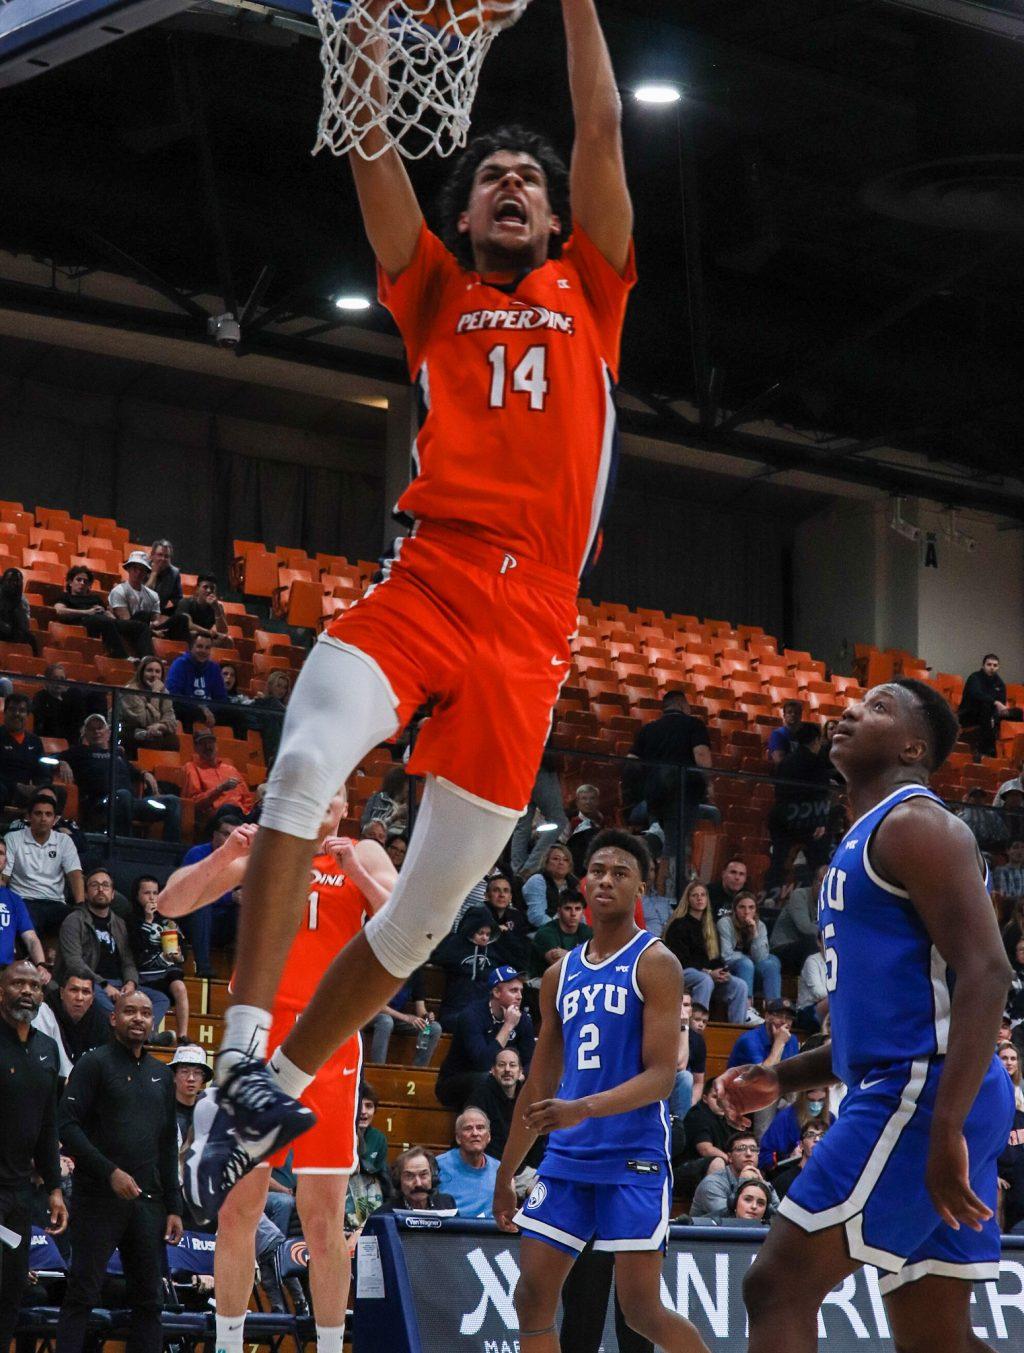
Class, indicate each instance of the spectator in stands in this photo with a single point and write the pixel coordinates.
(164, 579)
(691, 935)
(707, 1130)
(15, 922)
(82, 1024)
(711, 1198)
(795, 933)
(24, 767)
(743, 939)
(983, 706)
(567, 931)
(210, 783)
(415, 1185)
(147, 713)
(496, 1094)
(396, 845)
(194, 677)
(1011, 786)
(117, 1121)
(229, 675)
(751, 1203)
(467, 1172)
(781, 1139)
(812, 993)
(192, 1073)
(545, 799)
(94, 763)
(1012, 812)
(94, 944)
(369, 1186)
(783, 1177)
(156, 948)
(802, 802)
(480, 1033)
(375, 831)
(78, 604)
(390, 803)
(676, 750)
(406, 1013)
(770, 1043)
(1013, 930)
(269, 708)
(203, 610)
(511, 945)
(733, 881)
(542, 891)
(1010, 1058)
(215, 925)
(136, 606)
(1008, 878)
(988, 827)
(467, 964)
(691, 1064)
(584, 823)
(15, 615)
(1015, 998)
(781, 740)
(57, 707)
(41, 864)
(1011, 1161)
(28, 1133)
(658, 907)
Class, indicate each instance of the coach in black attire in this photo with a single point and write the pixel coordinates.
(29, 1068)
(117, 1120)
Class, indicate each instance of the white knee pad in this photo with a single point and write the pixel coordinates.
(455, 841)
(340, 709)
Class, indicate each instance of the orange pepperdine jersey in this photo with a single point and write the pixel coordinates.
(518, 442)
(335, 910)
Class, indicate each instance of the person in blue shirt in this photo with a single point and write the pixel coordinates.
(906, 1179)
(771, 1042)
(15, 921)
(194, 676)
(467, 1172)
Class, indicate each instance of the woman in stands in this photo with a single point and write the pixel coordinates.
(1009, 1055)
(692, 937)
(14, 611)
(744, 942)
(543, 891)
(78, 604)
(229, 672)
(782, 1138)
(147, 715)
(273, 702)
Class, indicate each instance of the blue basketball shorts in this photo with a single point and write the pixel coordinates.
(867, 1174)
(566, 1214)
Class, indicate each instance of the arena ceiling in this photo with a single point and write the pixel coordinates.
(844, 284)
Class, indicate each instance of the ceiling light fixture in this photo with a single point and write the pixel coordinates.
(353, 302)
(658, 94)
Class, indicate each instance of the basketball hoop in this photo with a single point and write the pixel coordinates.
(409, 68)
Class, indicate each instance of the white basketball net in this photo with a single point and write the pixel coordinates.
(385, 67)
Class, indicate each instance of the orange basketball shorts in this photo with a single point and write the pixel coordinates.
(329, 1147)
(486, 635)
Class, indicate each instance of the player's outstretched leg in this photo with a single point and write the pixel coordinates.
(638, 1287)
(235, 1258)
(320, 1199)
(787, 1282)
(543, 1270)
(933, 1313)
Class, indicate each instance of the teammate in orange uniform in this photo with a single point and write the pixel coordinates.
(349, 881)
(512, 329)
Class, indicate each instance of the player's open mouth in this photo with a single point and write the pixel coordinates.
(510, 212)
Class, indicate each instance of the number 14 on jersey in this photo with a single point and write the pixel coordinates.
(528, 377)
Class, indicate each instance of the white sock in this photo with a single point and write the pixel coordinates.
(290, 1078)
(246, 1030)
(229, 1333)
(329, 1338)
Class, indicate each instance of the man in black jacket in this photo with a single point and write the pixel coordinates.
(480, 1033)
(983, 704)
(802, 800)
(496, 1095)
(29, 1069)
(117, 1119)
(81, 1022)
(22, 771)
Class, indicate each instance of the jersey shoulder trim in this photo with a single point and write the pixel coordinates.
(890, 802)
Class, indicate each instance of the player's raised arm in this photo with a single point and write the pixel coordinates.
(391, 213)
(600, 195)
(933, 856)
(541, 1084)
(196, 885)
(368, 865)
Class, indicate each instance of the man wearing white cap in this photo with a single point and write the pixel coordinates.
(135, 604)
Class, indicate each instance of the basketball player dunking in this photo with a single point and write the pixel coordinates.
(349, 881)
(512, 330)
(917, 978)
(604, 1064)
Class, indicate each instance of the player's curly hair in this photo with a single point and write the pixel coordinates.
(625, 841)
(455, 194)
(942, 724)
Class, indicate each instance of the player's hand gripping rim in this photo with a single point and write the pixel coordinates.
(742, 1090)
(505, 1206)
(948, 1180)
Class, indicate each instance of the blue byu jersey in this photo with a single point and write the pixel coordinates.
(889, 987)
(602, 1014)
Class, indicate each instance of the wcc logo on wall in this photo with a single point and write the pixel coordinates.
(473, 1310)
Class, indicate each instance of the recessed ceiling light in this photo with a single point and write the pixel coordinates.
(353, 302)
(658, 93)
